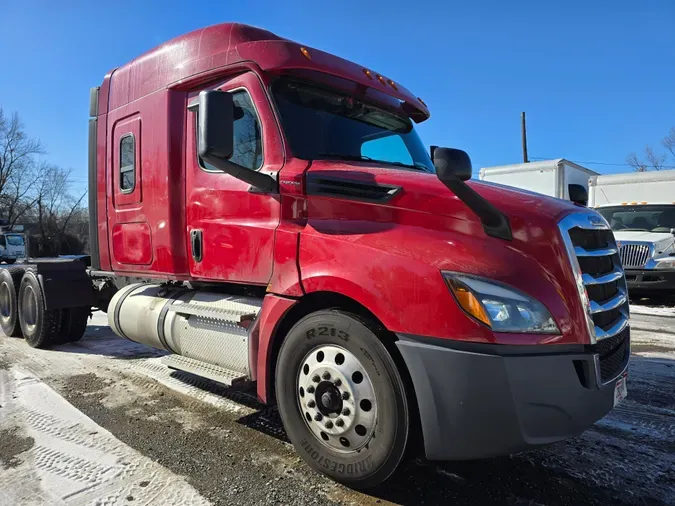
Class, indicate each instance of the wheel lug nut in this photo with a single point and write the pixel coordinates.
(345, 396)
(318, 417)
(326, 375)
(311, 404)
(329, 424)
(310, 389)
(339, 422)
(346, 412)
(338, 382)
(316, 378)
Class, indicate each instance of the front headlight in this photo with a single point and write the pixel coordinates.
(499, 306)
(665, 263)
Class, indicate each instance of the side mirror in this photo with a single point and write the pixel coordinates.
(451, 163)
(453, 167)
(215, 139)
(578, 194)
(216, 126)
(672, 231)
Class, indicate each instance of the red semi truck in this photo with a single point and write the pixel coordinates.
(266, 212)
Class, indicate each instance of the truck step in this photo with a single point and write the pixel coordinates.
(213, 313)
(212, 372)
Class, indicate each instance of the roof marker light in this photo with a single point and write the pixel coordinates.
(368, 73)
(305, 53)
(381, 79)
(393, 84)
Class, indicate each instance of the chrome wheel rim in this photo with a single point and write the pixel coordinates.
(336, 398)
(5, 302)
(29, 308)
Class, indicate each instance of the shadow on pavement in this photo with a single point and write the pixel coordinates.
(265, 419)
(653, 300)
(523, 479)
(100, 340)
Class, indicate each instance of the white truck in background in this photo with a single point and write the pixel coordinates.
(640, 208)
(558, 178)
(12, 242)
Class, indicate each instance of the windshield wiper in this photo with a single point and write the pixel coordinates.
(362, 158)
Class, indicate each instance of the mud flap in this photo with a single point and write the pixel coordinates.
(65, 284)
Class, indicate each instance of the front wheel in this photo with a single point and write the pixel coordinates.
(342, 399)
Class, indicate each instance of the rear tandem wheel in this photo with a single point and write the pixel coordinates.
(40, 326)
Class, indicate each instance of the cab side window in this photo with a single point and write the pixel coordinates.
(127, 163)
(247, 150)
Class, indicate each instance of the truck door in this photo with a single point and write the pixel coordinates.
(230, 225)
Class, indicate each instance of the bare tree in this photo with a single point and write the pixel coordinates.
(669, 142)
(54, 211)
(17, 166)
(38, 193)
(653, 160)
(636, 163)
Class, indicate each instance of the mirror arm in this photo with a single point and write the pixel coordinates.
(262, 182)
(495, 223)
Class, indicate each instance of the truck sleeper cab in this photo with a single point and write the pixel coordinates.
(266, 212)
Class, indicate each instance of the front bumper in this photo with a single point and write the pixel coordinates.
(489, 400)
(646, 280)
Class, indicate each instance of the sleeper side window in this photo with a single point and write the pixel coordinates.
(127, 163)
(247, 150)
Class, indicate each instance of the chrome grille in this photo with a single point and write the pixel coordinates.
(601, 283)
(600, 278)
(634, 255)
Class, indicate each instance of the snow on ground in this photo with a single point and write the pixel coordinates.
(667, 311)
(55, 455)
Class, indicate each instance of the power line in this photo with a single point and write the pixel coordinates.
(600, 163)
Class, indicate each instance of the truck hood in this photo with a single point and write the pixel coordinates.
(643, 236)
(423, 192)
(412, 218)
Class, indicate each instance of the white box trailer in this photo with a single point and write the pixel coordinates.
(640, 208)
(551, 177)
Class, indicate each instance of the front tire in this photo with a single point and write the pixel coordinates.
(40, 326)
(342, 399)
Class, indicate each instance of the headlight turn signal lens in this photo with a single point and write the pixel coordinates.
(468, 301)
(499, 306)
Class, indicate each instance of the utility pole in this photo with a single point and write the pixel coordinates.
(524, 136)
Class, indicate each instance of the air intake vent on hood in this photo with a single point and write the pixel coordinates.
(350, 189)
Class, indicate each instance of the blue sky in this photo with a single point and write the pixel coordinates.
(595, 77)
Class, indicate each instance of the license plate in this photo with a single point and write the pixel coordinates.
(620, 389)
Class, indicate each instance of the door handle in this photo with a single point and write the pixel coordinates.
(196, 243)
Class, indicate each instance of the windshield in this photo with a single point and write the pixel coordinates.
(646, 218)
(324, 124)
(14, 240)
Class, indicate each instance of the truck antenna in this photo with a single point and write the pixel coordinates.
(523, 132)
